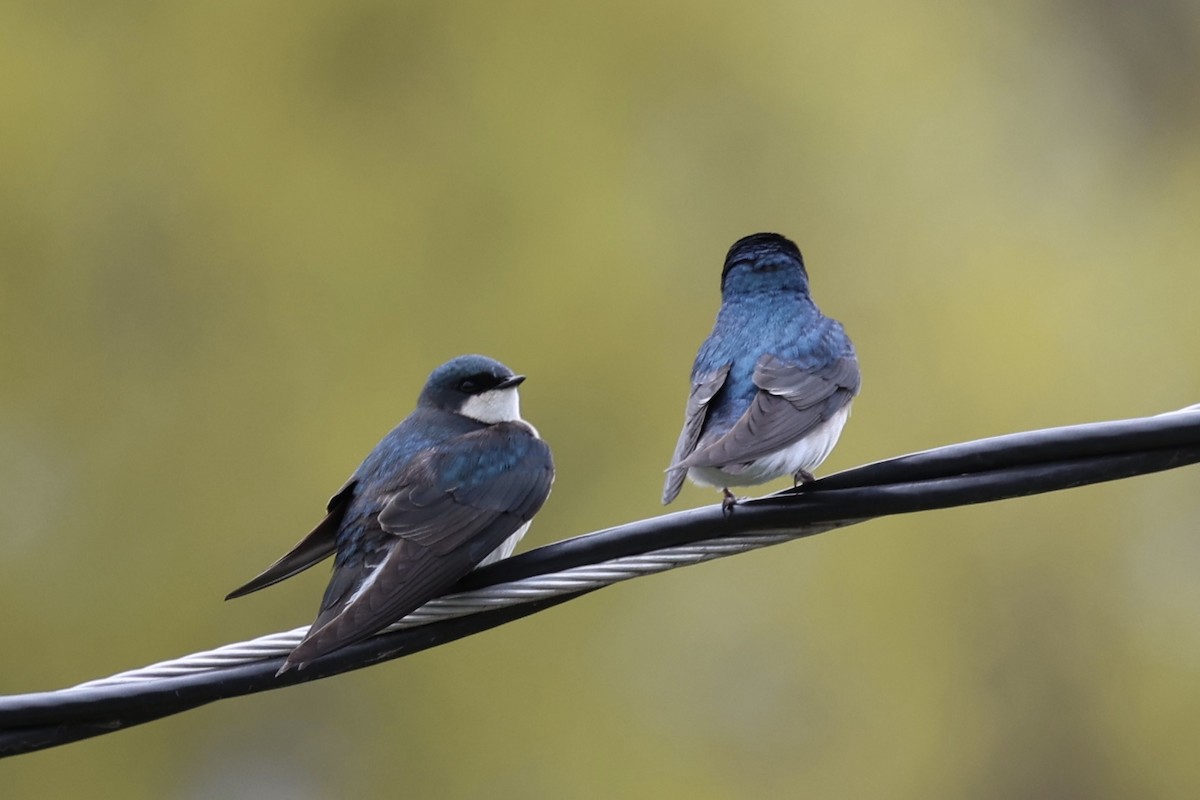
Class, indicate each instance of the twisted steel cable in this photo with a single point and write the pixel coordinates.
(569, 581)
(973, 472)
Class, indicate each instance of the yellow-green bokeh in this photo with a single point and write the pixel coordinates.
(235, 238)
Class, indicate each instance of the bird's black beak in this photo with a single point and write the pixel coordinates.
(508, 383)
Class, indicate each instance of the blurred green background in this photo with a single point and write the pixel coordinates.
(236, 237)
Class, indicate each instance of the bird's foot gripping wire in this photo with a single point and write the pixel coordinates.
(802, 476)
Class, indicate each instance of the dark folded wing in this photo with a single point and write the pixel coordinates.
(703, 389)
(791, 401)
(451, 508)
(314, 548)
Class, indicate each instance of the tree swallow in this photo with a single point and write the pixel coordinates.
(773, 382)
(452, 487)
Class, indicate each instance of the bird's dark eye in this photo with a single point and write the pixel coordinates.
(477, 384)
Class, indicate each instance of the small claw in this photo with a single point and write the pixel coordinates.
(728, 501)
(802, 476)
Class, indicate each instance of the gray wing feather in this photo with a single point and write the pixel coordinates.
(791, 401)
(703, 390)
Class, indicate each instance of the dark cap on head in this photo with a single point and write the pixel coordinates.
(760, 246)
(452, 383)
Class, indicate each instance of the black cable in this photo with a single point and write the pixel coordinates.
(974, 472)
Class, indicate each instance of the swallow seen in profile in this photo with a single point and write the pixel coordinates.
(773, 382)
(452, 487)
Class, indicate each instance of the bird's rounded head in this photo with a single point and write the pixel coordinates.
(763, 262)
(475, 386)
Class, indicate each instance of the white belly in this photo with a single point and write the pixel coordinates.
(506, 548)
(806, 454)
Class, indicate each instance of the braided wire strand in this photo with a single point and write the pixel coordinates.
(980, 471)
(575, 579)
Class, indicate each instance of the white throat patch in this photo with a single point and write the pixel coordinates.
(497, 405)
